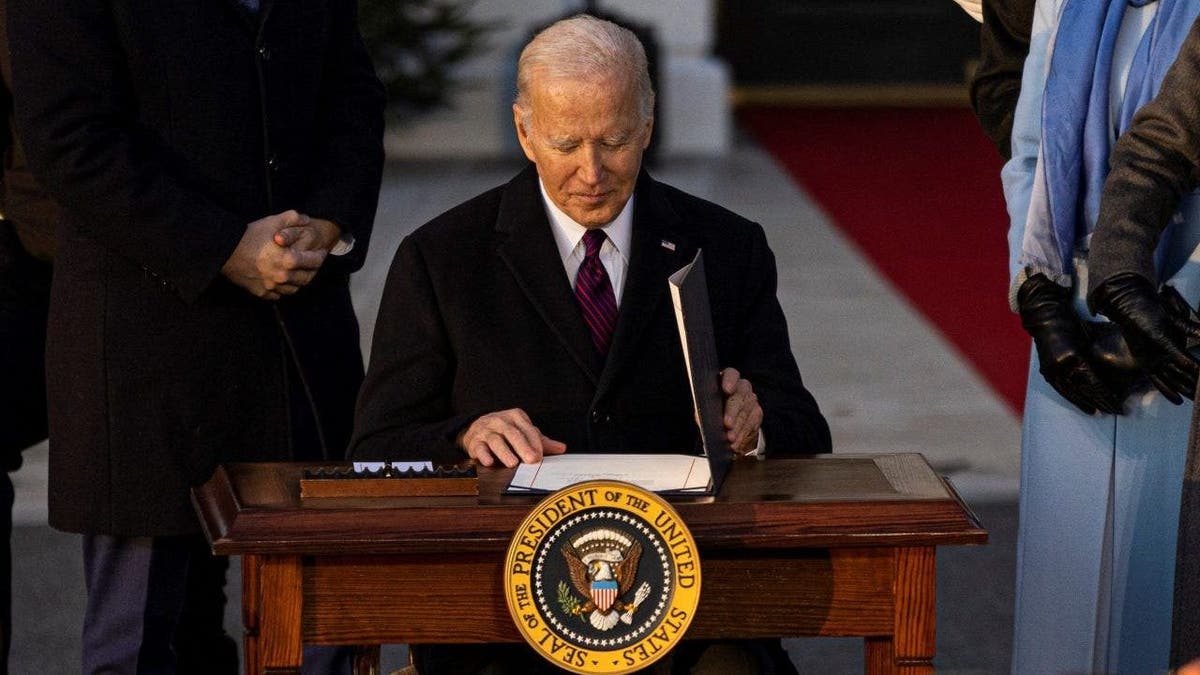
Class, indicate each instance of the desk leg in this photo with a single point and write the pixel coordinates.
(910, 650)
(272, 597)
(366, 660)
(250, 614)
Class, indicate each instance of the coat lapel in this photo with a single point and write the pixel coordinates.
(659, 250)
(528, 250)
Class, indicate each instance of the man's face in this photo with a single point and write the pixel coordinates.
(587, 140)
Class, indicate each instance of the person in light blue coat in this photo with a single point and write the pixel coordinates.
(1102, 447)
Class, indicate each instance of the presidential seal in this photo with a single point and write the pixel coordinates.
(602, 577)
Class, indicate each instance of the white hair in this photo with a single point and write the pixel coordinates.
(585, 48)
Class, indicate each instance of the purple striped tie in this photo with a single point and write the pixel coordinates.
(594, 292)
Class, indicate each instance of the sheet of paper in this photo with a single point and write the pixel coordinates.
(365, 467)
(657, 473)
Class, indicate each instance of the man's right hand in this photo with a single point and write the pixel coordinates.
(509, 437)
(264, 268)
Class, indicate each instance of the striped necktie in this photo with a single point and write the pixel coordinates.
(594, 293)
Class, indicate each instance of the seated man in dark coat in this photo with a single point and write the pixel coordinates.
(535, 318)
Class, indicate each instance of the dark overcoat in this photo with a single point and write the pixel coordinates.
(996, 82)
(164, 127)
(478, 315)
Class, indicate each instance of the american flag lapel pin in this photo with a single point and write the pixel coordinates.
(669, 245)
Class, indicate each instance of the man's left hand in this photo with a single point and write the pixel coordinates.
(317, 234)
(743, 414)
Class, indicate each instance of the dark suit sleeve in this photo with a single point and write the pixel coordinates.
(350, 157)
(1154, 164)
(792, 421)
(996, 84)
(74, 115)
(404, 410)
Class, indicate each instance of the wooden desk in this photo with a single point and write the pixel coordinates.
(839, 545)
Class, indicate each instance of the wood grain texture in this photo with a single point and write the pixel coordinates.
(782, 504)
(390, 599)
(832, 546)
(280, 591)
(916, 603)
(251, 610)
(915, 479)
(326, 488)
(844, 592)
(910, 650)
(879, 655)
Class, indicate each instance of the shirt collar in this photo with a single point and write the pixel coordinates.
(567, 232)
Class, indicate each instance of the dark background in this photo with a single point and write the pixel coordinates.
(804, 42)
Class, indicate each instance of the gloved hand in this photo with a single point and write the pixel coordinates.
(1157, 327)
(1111, 358)
(1047, 314)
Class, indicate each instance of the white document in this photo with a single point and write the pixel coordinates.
(657, 473)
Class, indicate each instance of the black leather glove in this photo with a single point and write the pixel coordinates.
(1157, 327)
(1047, 313)
(1111, 358)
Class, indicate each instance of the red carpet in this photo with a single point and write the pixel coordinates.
(918, 190)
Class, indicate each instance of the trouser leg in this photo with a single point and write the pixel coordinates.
(6, 507)
(155, 605)
(24, 302)
(135, 593)
(327, 661)
(202, 647)
(730, 657)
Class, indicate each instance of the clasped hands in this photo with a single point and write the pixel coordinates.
(1158, 327)
(281, 253)
(1095, 365)
(510, 437)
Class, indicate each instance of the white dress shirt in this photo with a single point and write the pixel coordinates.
(614, 255)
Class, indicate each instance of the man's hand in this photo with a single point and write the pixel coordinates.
(743, 414)
(315, 234)
(508, 436)
(268, 270)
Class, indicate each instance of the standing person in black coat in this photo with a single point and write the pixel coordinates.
(996, 82)
(215, 160)
(26, 250)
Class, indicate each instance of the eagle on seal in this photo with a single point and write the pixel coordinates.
(603, 565)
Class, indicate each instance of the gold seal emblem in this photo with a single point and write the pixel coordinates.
(602, 577)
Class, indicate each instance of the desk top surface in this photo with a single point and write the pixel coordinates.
(812, 502)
